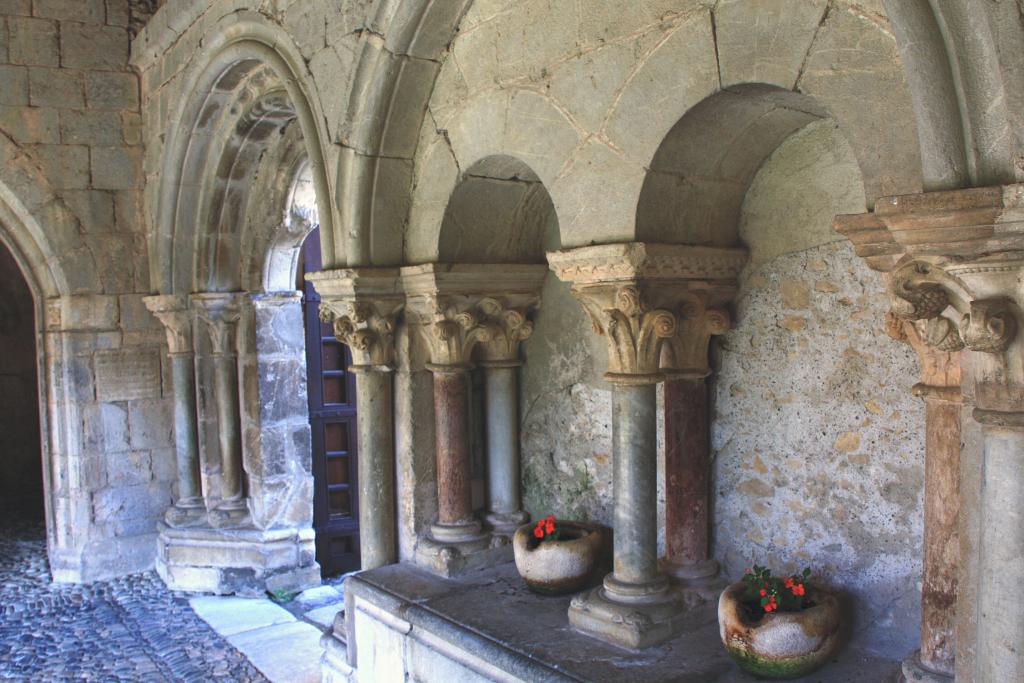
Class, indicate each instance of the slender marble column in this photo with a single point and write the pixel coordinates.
(634, 480)
(687, 479)
(172, 311)
(943, 406)
(376, 466)
(455, 520)
(502, 406)
(220, 313)
(364, 305)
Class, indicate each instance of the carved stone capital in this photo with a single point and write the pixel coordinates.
(989, 326)
(644, 298)
(219, 314)
(939, 368)
(464, 310)
(698, 319)
(173, 311)
(364, 305)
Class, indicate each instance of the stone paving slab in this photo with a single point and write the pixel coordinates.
(284, 653)
(324, 616)
(130, 629)
(229, 615)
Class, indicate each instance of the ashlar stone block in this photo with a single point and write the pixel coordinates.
(32, 42)
(88, 46)
(13, 85)
(55, 88)
(111, 90)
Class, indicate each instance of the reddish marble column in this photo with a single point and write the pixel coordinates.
(451, 419)
(687, 478)
(941, 510)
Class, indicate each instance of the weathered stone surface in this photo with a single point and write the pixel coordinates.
(33, 42)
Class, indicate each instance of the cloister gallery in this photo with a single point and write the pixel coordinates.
(301, 289)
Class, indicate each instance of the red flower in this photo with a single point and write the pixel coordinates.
(538, 532)
(799, 589)
(763, 592)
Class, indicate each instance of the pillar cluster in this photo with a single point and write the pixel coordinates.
(227, 511)
(656, 305)
(955, 262)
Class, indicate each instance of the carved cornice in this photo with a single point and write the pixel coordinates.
(172, 310)
(961, 224)
(219, 314)
(640, 260)
(463, 307)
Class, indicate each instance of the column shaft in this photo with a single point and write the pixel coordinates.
(451, 417)
(634, 452)
(1000, 616)
(185, 431)
(687, 471)
(376, 468)
(502, 404)
(941, 544)
(228, 431)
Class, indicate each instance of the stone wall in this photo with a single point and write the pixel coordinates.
(70, 124)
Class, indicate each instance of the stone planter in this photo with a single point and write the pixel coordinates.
(781, 645)
(557, 567)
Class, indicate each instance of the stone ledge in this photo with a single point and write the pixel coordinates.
(488, 626)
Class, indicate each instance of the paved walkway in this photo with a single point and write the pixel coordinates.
(130, 629)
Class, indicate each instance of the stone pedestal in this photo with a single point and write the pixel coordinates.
(633, 294)
(458, 308)
(364, 305)
(171, 310)
(956, 261)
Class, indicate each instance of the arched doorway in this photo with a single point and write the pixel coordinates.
(21, 473)
(332, 420)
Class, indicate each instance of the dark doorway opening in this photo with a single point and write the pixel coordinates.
(332, 419)
(21, 468)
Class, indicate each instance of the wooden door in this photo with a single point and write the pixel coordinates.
(332, 418)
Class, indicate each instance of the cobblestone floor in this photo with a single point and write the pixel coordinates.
(129, 629)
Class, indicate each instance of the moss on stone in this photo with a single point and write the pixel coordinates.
(773, 668)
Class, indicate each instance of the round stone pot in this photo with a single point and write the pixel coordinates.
(781, 645)
(557, 567)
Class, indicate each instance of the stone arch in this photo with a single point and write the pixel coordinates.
(27, 204)
(500, 212)
(396, 69)
(246, 84)
(493, 127)
(694, 193)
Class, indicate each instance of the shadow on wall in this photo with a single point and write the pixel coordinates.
(21, 473)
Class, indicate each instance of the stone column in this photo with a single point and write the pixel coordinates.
(500, 359)
(220, 313)
(687, 438)
(940, 389)
(457, 308)
(956, 261)
(631, 293)
(364, 305)
(172, 310)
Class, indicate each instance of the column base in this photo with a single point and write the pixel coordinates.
(185, 514)
(914, 672)
(633, 625)
(506, 523)
(230, 514)
(699, 578)
(452, 558)
(240, 561)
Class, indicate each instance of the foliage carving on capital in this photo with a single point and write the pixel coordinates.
(367, 328)
(633, 329)
(687, 349)
(220, 315)
(172, 311)
(989, 326)
(454, 332)
(508, 326)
